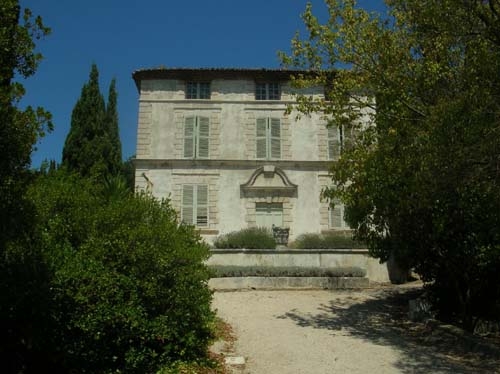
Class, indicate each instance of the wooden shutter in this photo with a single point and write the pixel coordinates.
(187, 204)
(349, 136)
(275, 132)
(202, 205)
(333, 143)
(261, 137)
(337, 215)
(203, 134)
(189, 131)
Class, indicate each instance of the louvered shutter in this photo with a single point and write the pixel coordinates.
(333, 143)
(337, 215)
(202, 205)
(187, 204)
(261, 137)
(349, 138)
(203, 137)
(189, 131)
(275, 138)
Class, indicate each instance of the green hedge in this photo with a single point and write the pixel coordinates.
(128, 284)
(220, 271)
(332, 240)
(250, 238)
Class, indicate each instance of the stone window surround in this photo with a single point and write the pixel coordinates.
(285, 195)
(323, 141)
(324, 181)
(144, 130)
(288, 204)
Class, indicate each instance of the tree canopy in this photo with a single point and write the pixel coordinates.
(420, 87)
(92, 277)
(20, 128)
(22, 275)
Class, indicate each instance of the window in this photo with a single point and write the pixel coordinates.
(338, 140)
(337, 216)
(269, 214)
(335, 135)
(195, 204)
(267, 91)
(268, 137)
(196, 137)
(197, 90)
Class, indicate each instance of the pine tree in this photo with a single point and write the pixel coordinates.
(93, 146)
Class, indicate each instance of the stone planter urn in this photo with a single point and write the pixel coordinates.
(280, 235)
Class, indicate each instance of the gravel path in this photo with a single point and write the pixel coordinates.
(338, 332)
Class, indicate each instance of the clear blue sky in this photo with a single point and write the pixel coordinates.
(121, 36)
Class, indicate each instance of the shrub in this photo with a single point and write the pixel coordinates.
(250, 238)
(331, 240)
(128, 287)
(221, 271)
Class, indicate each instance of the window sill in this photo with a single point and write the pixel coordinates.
(337, 230)
(207, 231)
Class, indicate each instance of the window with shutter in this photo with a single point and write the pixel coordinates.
(275, 135)
(196, 137)
(202, 205)
(189, 138)
(337, 216)
(268, 138)
(187, 204)
(348, 138)
(339, 140)
(203, 137)
(334, 142)
(194, 210)
(261, 137)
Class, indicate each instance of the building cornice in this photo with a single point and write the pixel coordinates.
(143, 163)
(207, 74)
(187, 103)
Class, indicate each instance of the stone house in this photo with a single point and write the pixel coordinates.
(219, 143)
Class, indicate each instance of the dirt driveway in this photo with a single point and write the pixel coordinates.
(315, 332)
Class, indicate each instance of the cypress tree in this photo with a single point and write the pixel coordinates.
(92, 147)
(115, 150)
(79, 152)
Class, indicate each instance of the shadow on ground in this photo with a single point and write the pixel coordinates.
(382, 319)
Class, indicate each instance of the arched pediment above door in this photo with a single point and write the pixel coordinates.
(268, 181)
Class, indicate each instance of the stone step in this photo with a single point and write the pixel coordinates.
(287, 283)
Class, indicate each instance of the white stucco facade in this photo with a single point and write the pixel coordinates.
(240, 184)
